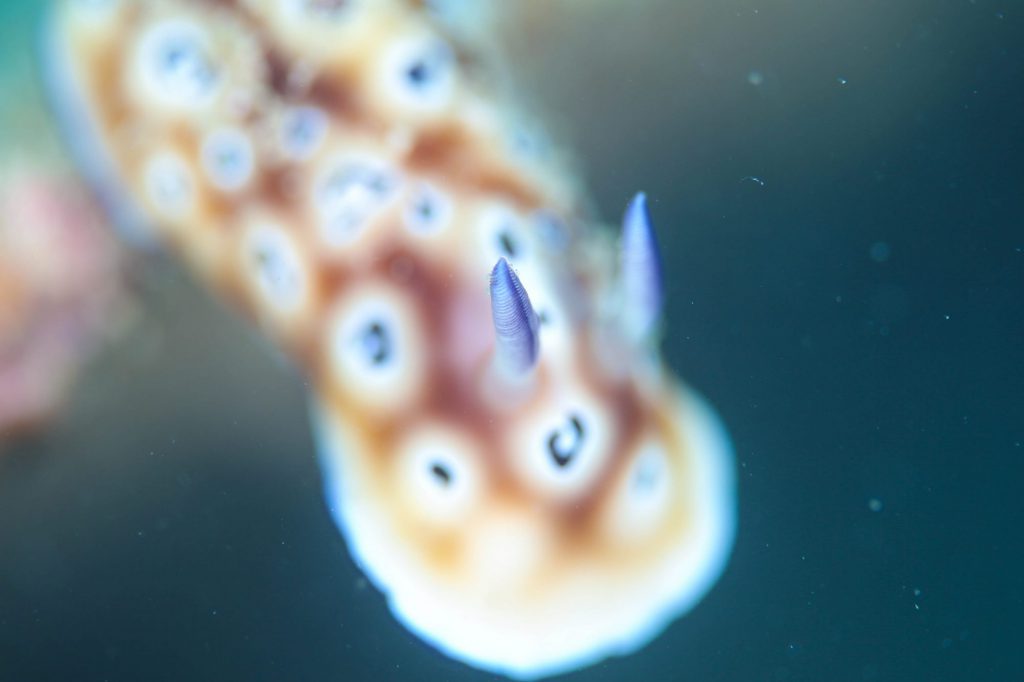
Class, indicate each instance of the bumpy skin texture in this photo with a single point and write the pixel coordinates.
(337, 170)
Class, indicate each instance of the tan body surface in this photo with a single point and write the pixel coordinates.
(336, 170)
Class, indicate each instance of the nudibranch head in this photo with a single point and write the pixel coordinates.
(501, 447)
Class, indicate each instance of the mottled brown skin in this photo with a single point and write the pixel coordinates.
(448, 150)
(458, 147)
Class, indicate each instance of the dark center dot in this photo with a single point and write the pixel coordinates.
(300, 130)
(173, 56)
(563, 447)
(442, 473)
(228, 156)
(184, 59)
(418, 73)
(271, 265)
(425, 210)
(376, 343)
(508, 244)
(378, 183)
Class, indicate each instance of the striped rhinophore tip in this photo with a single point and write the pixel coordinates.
(517, 344)
(640, 271)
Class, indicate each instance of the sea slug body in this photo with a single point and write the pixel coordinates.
(502, 448)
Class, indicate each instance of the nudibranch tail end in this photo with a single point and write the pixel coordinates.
(507, 636)
(337, 171)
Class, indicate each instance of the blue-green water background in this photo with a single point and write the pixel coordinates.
(856, 319)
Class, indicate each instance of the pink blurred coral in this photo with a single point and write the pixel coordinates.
(59, 285)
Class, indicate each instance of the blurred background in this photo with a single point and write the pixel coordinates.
(837, 187)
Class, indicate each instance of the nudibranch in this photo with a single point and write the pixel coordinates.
(59, 289)
(505, 455)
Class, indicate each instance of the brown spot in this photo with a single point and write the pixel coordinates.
(467, 164)
(453, 395)
(334, 93)
(449, 151)
(277, 72)
(276, 186)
